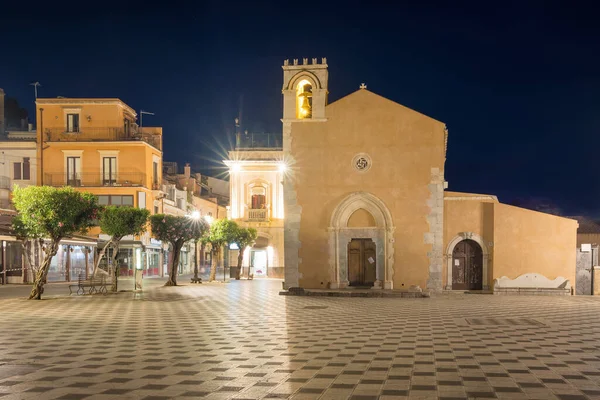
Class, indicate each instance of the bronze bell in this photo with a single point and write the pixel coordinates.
(306, 107)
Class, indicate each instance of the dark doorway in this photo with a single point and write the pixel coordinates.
(361, 262)
(467, 266)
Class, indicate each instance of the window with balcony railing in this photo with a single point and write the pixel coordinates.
(258, 214)
(22, 170)
(258, 201)
(72, 123)
(94, 179)
(75, 132)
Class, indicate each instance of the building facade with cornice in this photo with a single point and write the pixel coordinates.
(95, 145)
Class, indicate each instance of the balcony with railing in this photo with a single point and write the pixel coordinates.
(103, 134)
(257, 215)
(90, 179)
(259, 141)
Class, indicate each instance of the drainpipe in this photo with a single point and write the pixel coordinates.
(4, 262)
(592, 274)
(41, 147)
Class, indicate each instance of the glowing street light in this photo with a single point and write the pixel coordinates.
(208, 219)
(236, 167)
(282, 167)
(195, 215)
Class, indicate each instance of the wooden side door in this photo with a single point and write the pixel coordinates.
(354, 262)
(467, 266)
(369, 262)
(362, 262)
(475, 265)
(459, 267)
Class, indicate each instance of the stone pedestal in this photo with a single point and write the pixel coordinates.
(415, 288)
(139, 275)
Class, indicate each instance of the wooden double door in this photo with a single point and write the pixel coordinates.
(362, 262)
(467, 266)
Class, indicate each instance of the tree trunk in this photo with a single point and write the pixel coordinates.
(26, 252)
(239, 266)
(196, 255)
(202, 250)
(174, 264)
(42, 273)
(116, 267)
(213, 263)
(100, 255)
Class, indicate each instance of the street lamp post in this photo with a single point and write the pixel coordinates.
(196, 279)
(41, 136)
(35, 86)
(142, 112)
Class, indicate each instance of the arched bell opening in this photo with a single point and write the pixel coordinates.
(304, 97)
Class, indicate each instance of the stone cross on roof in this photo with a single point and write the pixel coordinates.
(363, 86)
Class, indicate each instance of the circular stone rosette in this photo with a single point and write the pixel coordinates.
(362, 162)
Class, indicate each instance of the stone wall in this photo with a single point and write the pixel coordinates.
(435, 236)
(585, 262)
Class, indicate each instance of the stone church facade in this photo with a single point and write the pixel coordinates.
(366, 203)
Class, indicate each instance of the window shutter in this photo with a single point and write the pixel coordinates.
(17, 171)
(141, 200)
(26, 169)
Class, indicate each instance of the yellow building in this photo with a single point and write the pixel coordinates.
(96, 145)
(365, 203)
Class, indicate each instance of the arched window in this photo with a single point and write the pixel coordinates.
(304, 99)
(258, 198)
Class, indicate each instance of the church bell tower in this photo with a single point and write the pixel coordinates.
(304, 99)
(304, 89)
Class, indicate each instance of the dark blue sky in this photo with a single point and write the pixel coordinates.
(517, 83)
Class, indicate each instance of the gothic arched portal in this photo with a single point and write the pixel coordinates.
(380, 233)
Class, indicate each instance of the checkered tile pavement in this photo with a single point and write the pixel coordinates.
(243, 341)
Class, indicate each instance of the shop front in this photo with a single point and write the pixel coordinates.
(74, 257)
(185, 265)
(11, 262)
(153, 258)
(133, 254)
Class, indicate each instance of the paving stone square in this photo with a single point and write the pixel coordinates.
(242, 340)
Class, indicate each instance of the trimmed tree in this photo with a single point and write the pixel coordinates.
(176, 231)
(222, 231)
(244, 237)
(118, 222)
(53, 214)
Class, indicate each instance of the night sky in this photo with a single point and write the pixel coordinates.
(517, 83)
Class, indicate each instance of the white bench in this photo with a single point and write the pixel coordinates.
(532, 284)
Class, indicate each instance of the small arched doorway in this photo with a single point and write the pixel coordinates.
(467, 266)
(361, 237)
